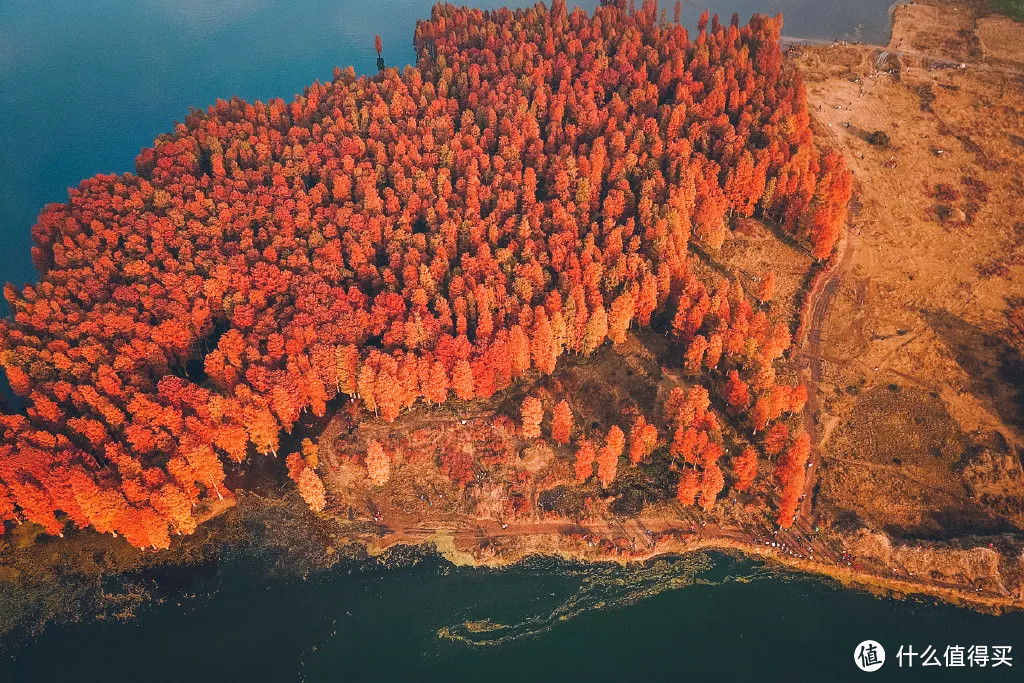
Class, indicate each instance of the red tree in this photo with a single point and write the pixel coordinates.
(744, 466)
(608, 456)
(642, 438)
(689, 486)
(378, 464)
(711, 483)
(585, 456)
(532, 414)
(776, 438)
(561, 422)
(312, 489)
(737, 396)
(462, 380)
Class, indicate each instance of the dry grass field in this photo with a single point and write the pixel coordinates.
(922, 385)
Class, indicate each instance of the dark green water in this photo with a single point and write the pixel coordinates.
(705, 618)
(85, 85)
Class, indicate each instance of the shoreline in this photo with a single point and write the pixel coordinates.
(846, 575)
(500, 545)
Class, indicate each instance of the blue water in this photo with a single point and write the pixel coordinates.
(84, 86)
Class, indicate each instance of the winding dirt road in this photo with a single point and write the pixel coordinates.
(808, 355)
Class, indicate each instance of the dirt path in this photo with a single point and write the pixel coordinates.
(640, 534)
(809, 358)
(947, 63)
(641, 538)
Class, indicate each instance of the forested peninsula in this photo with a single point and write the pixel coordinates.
(539, 185)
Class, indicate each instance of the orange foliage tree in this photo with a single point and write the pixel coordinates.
(531, 415)
(744, 466)
(689, 486)
(302, 472)
(585, 456)
(643, 436)
(711, 483)
(608, 456)
(378, 464)
(791, 473)
(528, 189)
(737, 395)
(561, 422)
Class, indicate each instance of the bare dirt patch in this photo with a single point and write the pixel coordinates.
(1001, 38)
(921, 401)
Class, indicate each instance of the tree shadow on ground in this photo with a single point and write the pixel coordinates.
(953, 522)
(995, 368)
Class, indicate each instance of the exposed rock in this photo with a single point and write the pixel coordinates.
(879, 138)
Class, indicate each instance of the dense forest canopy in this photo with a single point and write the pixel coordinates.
(531, 188)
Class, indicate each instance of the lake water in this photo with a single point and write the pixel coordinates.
(703, 618)
(85, 85)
